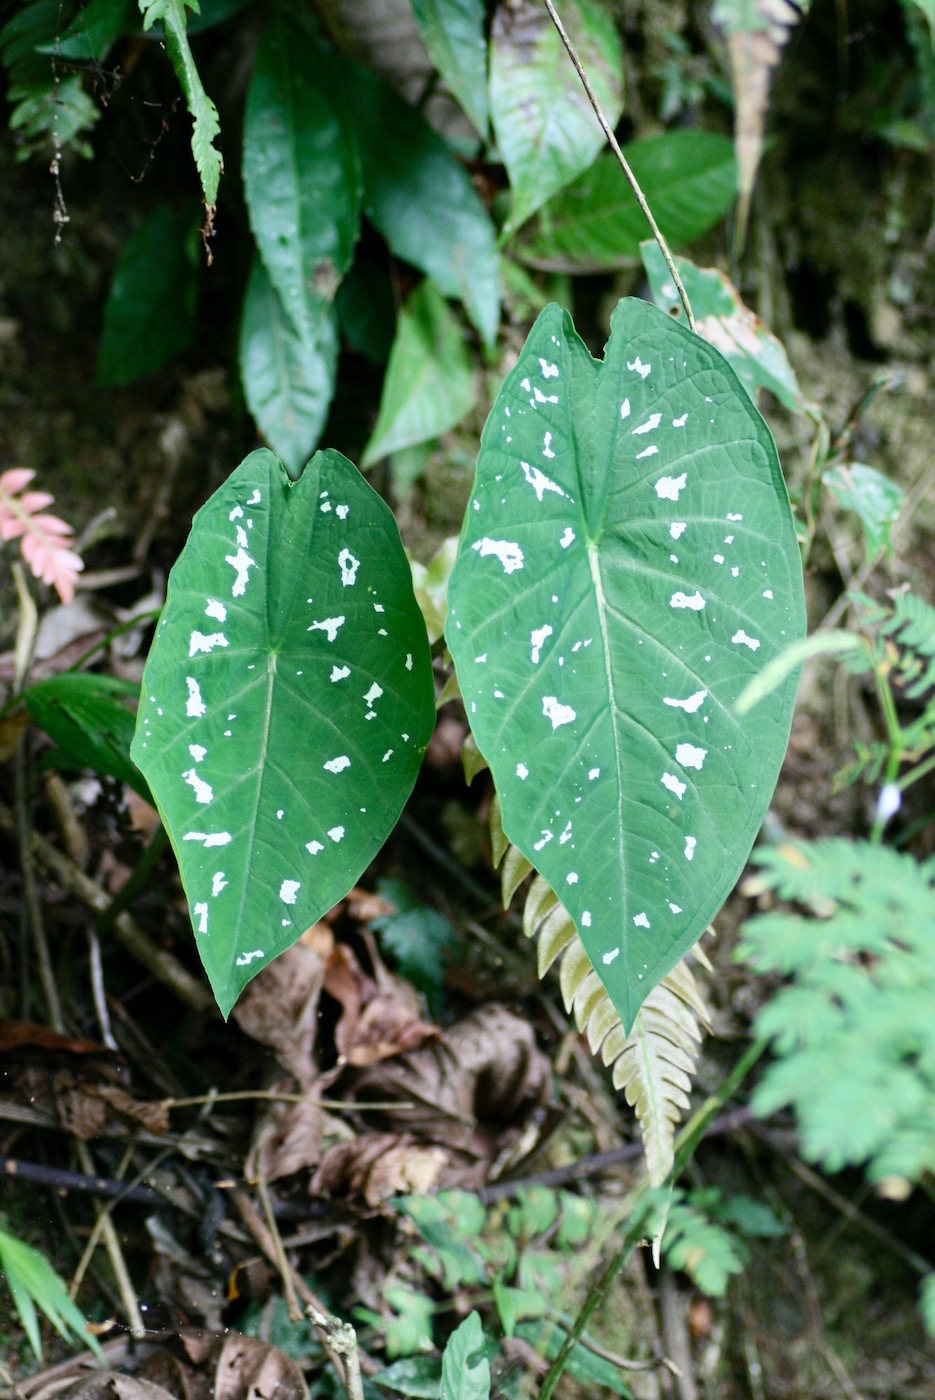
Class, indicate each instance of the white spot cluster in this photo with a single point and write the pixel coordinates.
(348, 566)
(509, 554)
(559, 714)
(538, 480)
(669, 488)
(694, 601)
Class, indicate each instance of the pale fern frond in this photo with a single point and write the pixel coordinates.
(654, 1063)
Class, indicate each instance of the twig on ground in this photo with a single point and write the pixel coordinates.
(105, 1226)
(163, 965)
(62, 1180)
(315, 1309)
(286, 1272)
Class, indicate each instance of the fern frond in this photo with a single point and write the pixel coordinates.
(853, 1035)
(912, 626)
(655, 1063)
(45, 540)
(51, 110)
(204, 114)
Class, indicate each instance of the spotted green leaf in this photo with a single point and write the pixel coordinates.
(876, 500)
(286, 704)
(628, 562)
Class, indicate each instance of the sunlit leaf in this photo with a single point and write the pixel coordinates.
(546, 129)
(628, 562)
(286, 704)
(875, 499)
(465, 1368)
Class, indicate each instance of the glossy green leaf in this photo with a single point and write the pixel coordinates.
(688, 177)
(628, 562)
(286, 704)
(417, 1376)
(422, 200)
(453, 33)
(205, 125)
(84, 715)
(546, 129)
(465, 1368)
(149, 316)
(429, 385)
(301, 172)
(288, 374)
(875, 500)
(757, 356)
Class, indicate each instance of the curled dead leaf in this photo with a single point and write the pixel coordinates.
(379, 1165)
(279, 1009)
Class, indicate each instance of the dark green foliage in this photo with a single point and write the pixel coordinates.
(83, 713)
(420, 939)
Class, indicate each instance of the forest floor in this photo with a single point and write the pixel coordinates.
(197, 1156)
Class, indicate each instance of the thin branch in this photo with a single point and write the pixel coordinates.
(623, 162)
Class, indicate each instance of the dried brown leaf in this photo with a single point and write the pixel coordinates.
(279, 1008)
(379, 1165)
(287, 1140)
(249, 1369)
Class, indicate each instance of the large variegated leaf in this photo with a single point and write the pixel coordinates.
(286, 704)
(628, 562)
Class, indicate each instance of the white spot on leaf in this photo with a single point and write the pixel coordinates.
(539, 482)
(537, 639)
(670, 781)
(652, 422)
(567, 537)
(678, 528)
(197, 751)
(218, 883)
(348, 566)
(216, 609)
(641, 921)
(690, 844)
(639, 368)
(329, 625)
(586, 919)
(313, 847)
(340, 673)
(609, 957)
(522, 772)
(195, 707)
(557, 713)
(199, 642)
(241, 563)
(668, 487)
(690, 705)
(288, 891)
(246, 959)
(215, 838)
(690, 756)
(548, 371)
(200, 912)
(687, 600)
(676, 908)
(647, 452)
(337, 765)
(680, 422)
(509, 554)
(203, 791)
(741, 639)
(336, 833)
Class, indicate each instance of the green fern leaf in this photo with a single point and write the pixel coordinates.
(853, 1033)
(208, 161)
(654, 1065)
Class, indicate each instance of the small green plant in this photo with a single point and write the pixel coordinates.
(34, 1284)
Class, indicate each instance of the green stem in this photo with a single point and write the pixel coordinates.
(688, 1139)
(593, 1301)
